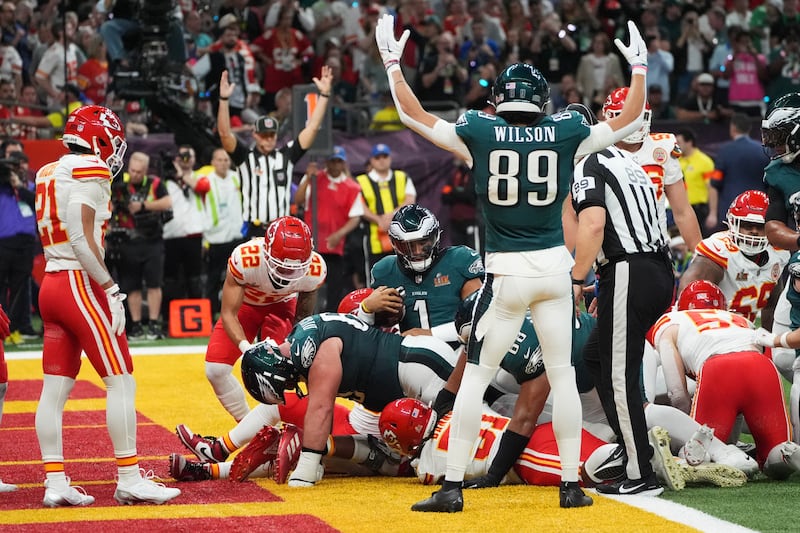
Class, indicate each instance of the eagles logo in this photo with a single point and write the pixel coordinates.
(307, 352)
(476, 267)
(534, 361)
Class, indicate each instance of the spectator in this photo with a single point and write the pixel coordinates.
(597, 69)
(659, 107)
(183, 234)
(385, 190)
(690, 52)
(18, 243)
(386, 118)
(343, 93)
(56, 68)
(745, 69)
(266, 172)
(139, 201)
(491, 27)
(7, 97)
(479, 49)
(93, 73)
(554, 50)
(697, 169)
(660, 64)
(701, 104)
(479, 90)
(28, 107)
(339, 209)
(739, 167)
(784, 66)
(459, 195)
(197, 41)
(283, 111)
(329, 16)
(11, 66)
(442, 76)
(457, 17)
(223, 205)
(54, 120)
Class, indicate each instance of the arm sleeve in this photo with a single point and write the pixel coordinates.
(601, 136)
(777, 206)
(89, 193)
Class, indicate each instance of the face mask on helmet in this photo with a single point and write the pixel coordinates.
(701, 294)
(780, 134)
(415, 235)
(266, 373)
(288, 250)
(613, 108)
(746, 222)
(405, 424)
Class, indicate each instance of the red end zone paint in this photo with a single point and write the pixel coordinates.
(262, 524)
(30, 389)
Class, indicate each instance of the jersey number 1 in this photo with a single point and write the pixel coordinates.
(50, 229)
(504, 165)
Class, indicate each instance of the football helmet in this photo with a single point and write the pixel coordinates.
(288, 250)
(701, 294)
(99, 130)
(266, 373)
(520, 87)
(353, 299)
(463, 319)
(780, 131)
(750, 206)
(415, 235)
(613, 107)
(404, 425)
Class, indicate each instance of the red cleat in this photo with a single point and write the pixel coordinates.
(289, 449)
(261, 449)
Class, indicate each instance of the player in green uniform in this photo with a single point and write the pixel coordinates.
(780, 133)
(521, 163)
(340, 355)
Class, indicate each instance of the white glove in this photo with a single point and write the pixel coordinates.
(245, 345)
(115, 299)
(309, 470)
(636, 52)
(390, 48)
(762, 337)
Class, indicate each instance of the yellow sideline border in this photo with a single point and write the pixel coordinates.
(172, 389)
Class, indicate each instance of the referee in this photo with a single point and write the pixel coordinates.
(266, 173)
(618, 229)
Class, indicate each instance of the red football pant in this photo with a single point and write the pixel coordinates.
(294, 412)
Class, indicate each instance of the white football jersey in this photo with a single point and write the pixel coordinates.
(431, 464)
(722, 332)
(658, 156)
(54, 183)
(248, 266)
(746, 285)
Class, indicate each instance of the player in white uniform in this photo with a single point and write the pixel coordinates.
(82, 308)
(271, 284)
(741, 261)
(658, 154)
(717, 347)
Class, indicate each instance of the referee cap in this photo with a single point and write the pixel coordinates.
(266, 124)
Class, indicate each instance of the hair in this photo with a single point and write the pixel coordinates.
(141, 157)
(688, 135)
(93, 47)
(742, 123)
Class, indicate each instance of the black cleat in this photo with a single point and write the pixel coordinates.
(571, 495)
(441, 501)
(648, 486)
(483, 482)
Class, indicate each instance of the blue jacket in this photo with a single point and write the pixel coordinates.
(17, 215)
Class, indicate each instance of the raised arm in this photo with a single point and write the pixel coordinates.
(309, 133)
(224, 115)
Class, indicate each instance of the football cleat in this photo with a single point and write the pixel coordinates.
(289, 449)
(261, 449)
(145, 490)
(205, 448)
(714, 474)
(737, 458)
(666, 468)
(69, 496)
(182, 470)
(571, 495)
(441, 501)
(628, 487)
(606, 464)
(482, 482)
(695, 451)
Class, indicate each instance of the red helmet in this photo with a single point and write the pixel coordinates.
(701, 294)
(404, 424)
(353, 299)
(288, 250)
(99, 130)
(613, 107)
(750, 206)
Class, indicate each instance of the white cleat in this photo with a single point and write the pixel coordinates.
(144, 490)
(735, 457)
(70, 496)
(695, 451)
(7, 487)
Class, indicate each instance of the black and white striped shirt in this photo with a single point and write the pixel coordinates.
(611, 179)
(266, 181)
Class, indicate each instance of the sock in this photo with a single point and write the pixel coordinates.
(443, 403)
(121, 422)
(49, 421)
(128, 474)
(3, 389)
(221, 470)
(511, 447)
(567, 417)
(229, 393)
(261, 415)
(57, 480)
(361, 449)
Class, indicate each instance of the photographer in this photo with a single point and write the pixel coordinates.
(18, 241)
(183, 235)
(139, 203)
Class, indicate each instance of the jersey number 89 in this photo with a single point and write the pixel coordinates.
(504, 166)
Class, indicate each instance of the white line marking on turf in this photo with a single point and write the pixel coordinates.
(144, 350)
(680, 514)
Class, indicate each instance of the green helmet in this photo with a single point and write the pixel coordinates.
(520, 87)
(266, 373)
(780, 131)
(415, 235)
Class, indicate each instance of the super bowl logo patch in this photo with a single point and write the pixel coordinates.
(307, 352)
(776, 271)
(660, 155)
(742, 276)
(441, 279)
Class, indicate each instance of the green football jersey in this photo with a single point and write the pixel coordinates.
(784, 178)
(522, 176)
(370, 357)
(432, 297)
(793, 296)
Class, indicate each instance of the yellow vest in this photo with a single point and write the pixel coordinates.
(383, 197)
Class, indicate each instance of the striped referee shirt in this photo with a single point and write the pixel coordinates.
(611, 179)
(266, 180)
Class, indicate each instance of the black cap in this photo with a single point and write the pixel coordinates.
(266, 124)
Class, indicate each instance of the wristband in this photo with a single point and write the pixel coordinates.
(578, 282)
(782, 340)
(244, 346)
(391, 63)
(364, 308)
(221, 99)
(325, 95)
(639, 69)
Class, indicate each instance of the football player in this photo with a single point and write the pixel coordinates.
(521, 161)
(82, 308)
(703, 340)
(658, 154)
(741, 261)
(4, 332)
